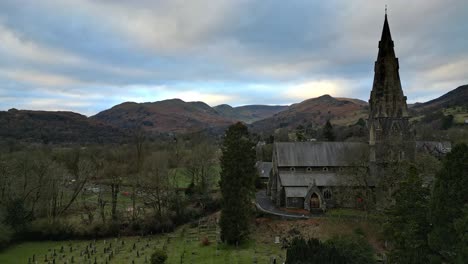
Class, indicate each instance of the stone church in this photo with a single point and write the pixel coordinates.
(310, 175)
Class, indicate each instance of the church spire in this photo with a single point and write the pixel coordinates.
(387, 99)
(388, 115)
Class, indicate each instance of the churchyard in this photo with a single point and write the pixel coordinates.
(197, 242)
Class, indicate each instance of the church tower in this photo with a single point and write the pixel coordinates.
(389, 128)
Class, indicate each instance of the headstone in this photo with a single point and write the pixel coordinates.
(277, 240)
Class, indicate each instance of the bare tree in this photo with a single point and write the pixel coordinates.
(200, 166)
(114, 171)
(156, 186)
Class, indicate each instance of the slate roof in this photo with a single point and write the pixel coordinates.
(305, 179)
(434, 147)
(308, 179)
(311, 154)
(296, 191)
(264, 168)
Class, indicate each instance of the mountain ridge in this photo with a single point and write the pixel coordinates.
(175, 116)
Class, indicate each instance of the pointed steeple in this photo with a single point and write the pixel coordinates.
(386, 43)
(387, 99)
(390, 136)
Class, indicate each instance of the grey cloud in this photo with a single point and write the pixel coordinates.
(122, 43)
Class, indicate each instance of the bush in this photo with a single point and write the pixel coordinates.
(59, 229)
(16, 215)
(6, 235)
(154, 224)
(205, 241)
(348, 249)
(356, 249)
(158, 257)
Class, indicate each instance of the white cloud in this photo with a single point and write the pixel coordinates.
(209, 98)
(38, 78)
(315, 88)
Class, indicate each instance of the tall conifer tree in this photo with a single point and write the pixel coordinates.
(237, 183)
(407, 225)
(449, 199)
(328, 132)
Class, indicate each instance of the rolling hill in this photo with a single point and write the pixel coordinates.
(168, 116)
(56, 128)
(249, 113)
(455, 98)
(176, 116)
(341, 111)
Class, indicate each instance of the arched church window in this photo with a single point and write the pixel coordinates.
(327, 194)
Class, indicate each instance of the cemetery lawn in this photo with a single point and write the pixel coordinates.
(194, 251)
(184, 245)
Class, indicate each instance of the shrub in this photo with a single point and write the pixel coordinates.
(348, 249)
(59, 229)
(158, 257)
(155, 224)
(16, 215)
(205, 241)
(356, 249)
(6, 234)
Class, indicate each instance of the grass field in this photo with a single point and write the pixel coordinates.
(184, 246)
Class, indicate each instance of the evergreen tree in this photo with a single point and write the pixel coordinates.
(237, 183)
(407, 224)
(328, 132)
(300, 133)
(461, 229)
(448, 201)
(347, 249)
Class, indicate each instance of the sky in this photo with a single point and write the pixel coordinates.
(89, 55)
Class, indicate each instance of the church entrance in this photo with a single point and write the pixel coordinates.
(314, 201)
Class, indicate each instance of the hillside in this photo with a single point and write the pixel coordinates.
(341, 111)
(455, 98)
(249, 113)
(177, 116)
(166, 116)
(55, 128)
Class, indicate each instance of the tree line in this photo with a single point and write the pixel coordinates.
(140, 187)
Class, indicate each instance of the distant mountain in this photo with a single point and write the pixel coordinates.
(249, 113)
(457, 97)
(55, 127)
(168, 116)
(176, 116)
(341, 111)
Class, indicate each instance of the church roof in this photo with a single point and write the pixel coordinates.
(306, 179)
(434, 148)
(299, 179)
(318, 154)
(264, 168)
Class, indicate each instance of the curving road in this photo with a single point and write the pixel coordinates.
(264, 204)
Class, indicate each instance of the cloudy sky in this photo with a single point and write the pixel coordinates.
(88, 55)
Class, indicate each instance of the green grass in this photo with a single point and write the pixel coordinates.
(182, 177)
(459, 114)
(176, 246)
(184, 244)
